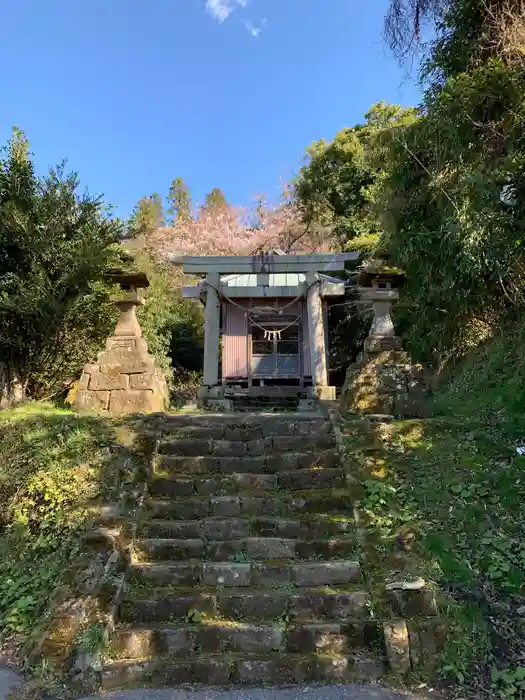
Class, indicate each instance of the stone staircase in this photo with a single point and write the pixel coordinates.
(245, 566)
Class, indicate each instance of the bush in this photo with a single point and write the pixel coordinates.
(55, 246)
(54, 463)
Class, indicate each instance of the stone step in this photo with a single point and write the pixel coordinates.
(243, 550)
(222, 670)
(246, 574)
(190, 447)
(267, 464)
(311, 527)
(219, 636)
(233, 427)
(240, 506)
(300, 479)
(284, 603)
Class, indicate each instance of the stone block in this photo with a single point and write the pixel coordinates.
(327, 573)
(185, 447)
(93, 400)
(413, 603)
(289, 443)
(188, 464)
(260, 447)
(228, 529)
(180, 574)
(184, 509)
(251, 639)
(110, 382)
(253, 605)
(228, 448)
(211, 672)
(252, 506)
(174, 487)
(147, 380)
(281, 462)
(330, 606)
(135, 401)
(279, 527)
(159, 549)
(257, 671)
(225, 506)
(175, 529)
(147, 610)
(316, 638)
(270, 548)
(415, 404)
(125, 361)
(243, 433)
(255, 482)
(141, 643)
(427, 639)
(397, 645)
(129, 344)
(223, 574)
(272, 574)
(245, 465)
(83, 382)
(385, 382)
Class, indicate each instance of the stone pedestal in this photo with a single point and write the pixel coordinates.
(124, 379)
(384, 380)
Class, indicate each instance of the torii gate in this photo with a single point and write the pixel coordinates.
(285, 279)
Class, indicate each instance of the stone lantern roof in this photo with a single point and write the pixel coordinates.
(378, 271)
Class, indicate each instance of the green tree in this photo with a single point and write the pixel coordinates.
(215, 200)
(179, 200)
(147, 216)
(337, 187)
(55, 246)
(444, 219)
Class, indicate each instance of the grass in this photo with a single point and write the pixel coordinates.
(55, 466)
(444, 497)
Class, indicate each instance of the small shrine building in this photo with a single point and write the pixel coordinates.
(269, 314)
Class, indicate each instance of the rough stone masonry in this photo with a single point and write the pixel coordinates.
(124, 378)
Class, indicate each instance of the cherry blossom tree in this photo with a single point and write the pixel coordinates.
(228, 230)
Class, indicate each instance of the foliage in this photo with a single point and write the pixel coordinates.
(510, 683)
(447, 227)
(179, 200)
(472, 32)
(457, 488)
(147, 215)
(214, 200)
(55, 246)
(338, 185)
(54, 464)
(489, 384)
(453, 487)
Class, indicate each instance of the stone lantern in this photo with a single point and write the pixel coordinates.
(381, 379)
(124, 378)
(378, 286)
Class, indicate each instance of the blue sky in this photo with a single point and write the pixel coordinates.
(224, 93)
